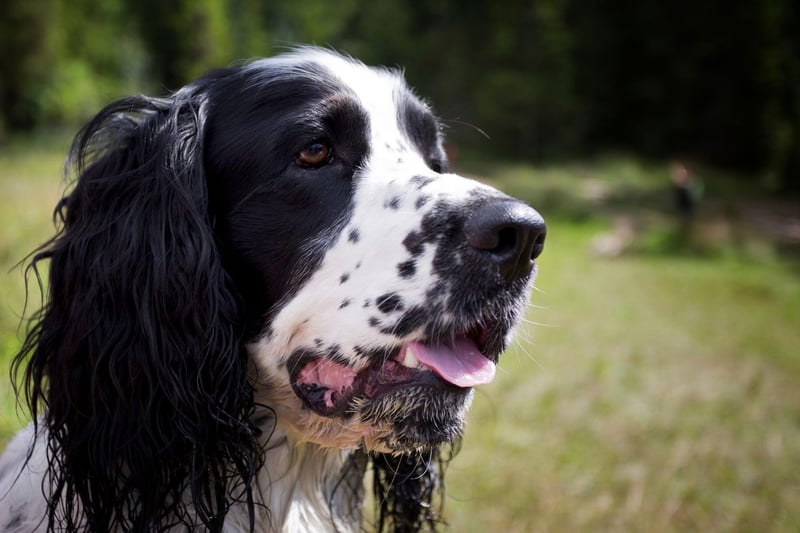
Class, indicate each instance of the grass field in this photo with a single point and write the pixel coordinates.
(655, 385)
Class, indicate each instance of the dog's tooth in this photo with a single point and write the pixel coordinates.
(410, 358)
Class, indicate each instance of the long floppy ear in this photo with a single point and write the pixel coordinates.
(135, 361)
(409, 489)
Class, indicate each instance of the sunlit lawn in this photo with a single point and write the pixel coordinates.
(30, 185)
(654, 390)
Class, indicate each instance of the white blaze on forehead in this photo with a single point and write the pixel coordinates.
(381, 92)
(378, 91)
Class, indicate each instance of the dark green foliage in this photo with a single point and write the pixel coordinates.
(780, 78)
(673, 77)
(25, 54)
(185, 38)
(714, 81)
(248, 28)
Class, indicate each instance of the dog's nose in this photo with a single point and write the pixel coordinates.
(508, 233)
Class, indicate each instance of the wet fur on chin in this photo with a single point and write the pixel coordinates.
(372, 427)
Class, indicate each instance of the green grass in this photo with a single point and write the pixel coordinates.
(653, 389)
(658, 395)
(30, 185)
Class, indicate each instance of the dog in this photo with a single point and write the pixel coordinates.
(263, 289)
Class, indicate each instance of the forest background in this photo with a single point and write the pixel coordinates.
(654, 384)
(710, 80)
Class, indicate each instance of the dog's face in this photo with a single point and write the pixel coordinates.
(380, 288)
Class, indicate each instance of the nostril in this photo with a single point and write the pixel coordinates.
(509, 234)
(538, 244)
(506, 242)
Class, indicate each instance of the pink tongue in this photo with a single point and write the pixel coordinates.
(461, 364)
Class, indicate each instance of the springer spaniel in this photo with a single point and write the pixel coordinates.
(263, 287)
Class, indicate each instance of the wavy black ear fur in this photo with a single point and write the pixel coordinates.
(135, 362)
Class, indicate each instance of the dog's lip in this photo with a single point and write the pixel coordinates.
(330, 387)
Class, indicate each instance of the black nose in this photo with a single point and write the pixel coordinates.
(509, 233)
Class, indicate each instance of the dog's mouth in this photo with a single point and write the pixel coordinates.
(332, 389)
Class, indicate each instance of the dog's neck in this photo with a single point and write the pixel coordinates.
(309, 488)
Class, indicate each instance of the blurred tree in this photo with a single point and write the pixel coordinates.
(529, 105)
(504, 67)
(712, 80)
(26, 55)
(99, 58)
(780, 76)
(250, 28)
(312, 22)
(184, 38)
(666, 76)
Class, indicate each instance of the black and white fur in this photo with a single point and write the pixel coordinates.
(239, 272)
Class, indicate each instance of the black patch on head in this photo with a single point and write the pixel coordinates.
(366, 303)
(390, 302)
(415, 243)
(344, 303)
(407, 269)
(343, 278)
(423, 130)
(265, 206)
(354, 235)
(374, 322)
(411, 320)
(421, 201)
(421, 181)
(437, 290)
(336, 355)
(393, 203)
(317, 342)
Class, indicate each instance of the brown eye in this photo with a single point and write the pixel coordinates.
(315, 154)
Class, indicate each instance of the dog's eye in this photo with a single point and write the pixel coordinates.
(315, 154)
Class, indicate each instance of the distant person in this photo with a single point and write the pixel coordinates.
(687, 189)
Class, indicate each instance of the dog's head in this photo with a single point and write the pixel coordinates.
(283, 234)
(383, 287)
